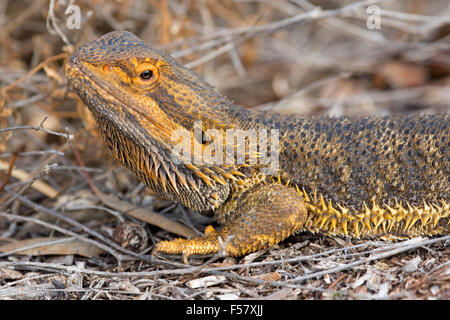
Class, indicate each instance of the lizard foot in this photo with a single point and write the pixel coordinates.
(187, 247)
(264, 216)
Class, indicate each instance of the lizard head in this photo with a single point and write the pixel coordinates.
(159, 93)
(139, 98)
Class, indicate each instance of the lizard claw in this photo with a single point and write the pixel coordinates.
(187, 247)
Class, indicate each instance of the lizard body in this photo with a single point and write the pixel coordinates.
(365, 177)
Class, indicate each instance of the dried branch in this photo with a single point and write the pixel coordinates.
(393, 250)
(31, 181)
(68, 136)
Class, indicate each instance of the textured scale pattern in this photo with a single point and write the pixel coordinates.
(378, 159)
(385, 177)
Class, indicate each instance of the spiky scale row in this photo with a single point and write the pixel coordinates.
(155, 168)
(377, 220)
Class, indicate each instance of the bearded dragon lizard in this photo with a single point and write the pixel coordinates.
(352, 177)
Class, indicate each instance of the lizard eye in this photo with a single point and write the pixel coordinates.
(146, 75)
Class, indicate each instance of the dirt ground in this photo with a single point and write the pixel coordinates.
(60, 240)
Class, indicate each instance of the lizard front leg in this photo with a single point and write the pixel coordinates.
(263, 216)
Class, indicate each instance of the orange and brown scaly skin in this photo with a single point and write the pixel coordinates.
(369, 177)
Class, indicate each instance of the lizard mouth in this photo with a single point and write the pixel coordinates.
(75, 66)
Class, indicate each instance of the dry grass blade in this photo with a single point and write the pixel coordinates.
(389, 251)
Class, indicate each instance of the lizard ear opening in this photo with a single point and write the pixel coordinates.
(146, 74)
(106, 68)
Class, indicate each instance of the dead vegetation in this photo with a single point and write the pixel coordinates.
(76, 225)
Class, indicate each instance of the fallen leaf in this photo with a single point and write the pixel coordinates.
(400, 74)
(228, 296)
(273, 276)
(205, 281)
(282, 294)
(412, 265)
(9, 274)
